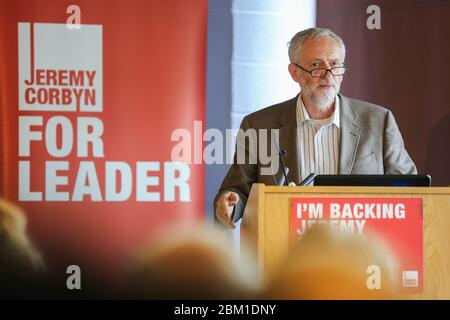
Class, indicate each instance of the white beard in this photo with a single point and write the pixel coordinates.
(322, 99)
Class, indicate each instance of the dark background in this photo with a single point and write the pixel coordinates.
(404, 66)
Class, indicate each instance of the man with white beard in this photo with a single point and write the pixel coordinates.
(320, 130)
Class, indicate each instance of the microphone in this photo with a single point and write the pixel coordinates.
(283, 178)
(308, 180)
(281, 154)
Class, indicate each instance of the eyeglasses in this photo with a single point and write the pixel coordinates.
(321, 72)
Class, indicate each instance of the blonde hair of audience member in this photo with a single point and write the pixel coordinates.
(192, 263)
(327, 264)
(19, 260)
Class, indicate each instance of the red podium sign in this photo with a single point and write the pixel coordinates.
(397, 221)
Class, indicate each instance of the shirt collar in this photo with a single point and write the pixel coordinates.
(302, 113)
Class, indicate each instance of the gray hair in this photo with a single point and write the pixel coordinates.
(300, 37)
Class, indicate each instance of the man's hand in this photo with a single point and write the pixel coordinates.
(225, 206)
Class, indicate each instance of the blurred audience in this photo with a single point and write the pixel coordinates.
(327, 264)
(21, 266)
(192, 263)
(195, 262)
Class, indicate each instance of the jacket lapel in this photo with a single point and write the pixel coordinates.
(350, 133)
(288, 139)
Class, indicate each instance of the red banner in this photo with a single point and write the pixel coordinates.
(87, 112)
(398, 222)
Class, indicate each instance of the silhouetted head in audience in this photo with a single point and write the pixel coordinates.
(21, 266)
(327, 264)
(191, 263)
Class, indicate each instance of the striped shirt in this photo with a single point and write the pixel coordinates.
(318, 142)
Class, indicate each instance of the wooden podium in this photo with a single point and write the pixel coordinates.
(265, 228)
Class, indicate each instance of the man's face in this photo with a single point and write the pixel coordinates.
(322, 52)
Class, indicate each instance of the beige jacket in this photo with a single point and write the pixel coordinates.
(370, 143)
